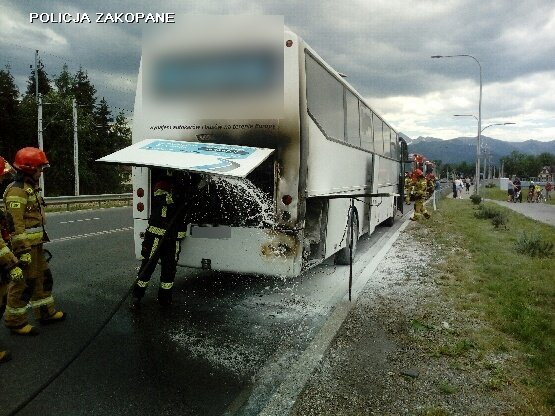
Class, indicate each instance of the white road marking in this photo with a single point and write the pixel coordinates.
(74, 237)
(84, 219)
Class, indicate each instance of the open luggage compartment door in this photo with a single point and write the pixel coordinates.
(218, 159)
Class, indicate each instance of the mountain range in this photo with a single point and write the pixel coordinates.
(463, 149)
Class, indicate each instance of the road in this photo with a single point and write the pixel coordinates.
(541, 212)
(221, 349)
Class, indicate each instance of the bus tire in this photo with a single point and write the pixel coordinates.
(343, 256)
(391, 220)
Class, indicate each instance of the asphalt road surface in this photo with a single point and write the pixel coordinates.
(222, 348)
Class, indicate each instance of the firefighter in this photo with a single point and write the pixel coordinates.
(408, 188)
(430, 184)
(8, 262)
(420, 195)
(26, 208)
(169, 196)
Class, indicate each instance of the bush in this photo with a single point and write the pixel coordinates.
(490, 185)
(486, 212)
(476, 199)
(534, 246)
(499, 220)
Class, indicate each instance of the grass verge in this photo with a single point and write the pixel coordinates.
(514, 292)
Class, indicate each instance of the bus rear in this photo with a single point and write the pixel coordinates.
(235, 88)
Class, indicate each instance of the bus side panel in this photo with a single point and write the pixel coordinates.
(334, 168)
(386, 173)
(249, 250)
(336, 233)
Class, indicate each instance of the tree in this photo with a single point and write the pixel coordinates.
(9, 114)
(84, 91)
(64, 82)
(44, 82)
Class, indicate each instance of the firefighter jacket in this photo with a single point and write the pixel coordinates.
(420, 187)
(164, 206)
(408, 184)
(25, 206)
(7, 258)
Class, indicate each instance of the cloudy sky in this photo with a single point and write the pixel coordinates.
(384, 46)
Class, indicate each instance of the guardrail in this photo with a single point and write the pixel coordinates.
(85, 199)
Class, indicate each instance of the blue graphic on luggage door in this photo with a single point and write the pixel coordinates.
(223, 153)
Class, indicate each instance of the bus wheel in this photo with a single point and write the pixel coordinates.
(391, 220)
(343, 256)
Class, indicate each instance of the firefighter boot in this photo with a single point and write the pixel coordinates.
(165, 294)
(5, 356)
(27, 330)
(57, 316)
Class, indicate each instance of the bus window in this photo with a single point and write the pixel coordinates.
(366, 128)
(378, 134)
(352, 123)
(386, 140)
(324, 95)
(394, 147)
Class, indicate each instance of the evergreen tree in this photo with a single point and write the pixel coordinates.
(84, 91)
(9, 115)
(44, 82)
(64, 82)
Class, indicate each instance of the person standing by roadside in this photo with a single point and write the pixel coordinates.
(548, 189)
(9, 270)
(454, 188)
(510, 191)
(26, 207)
(517, 190)
(467, 183)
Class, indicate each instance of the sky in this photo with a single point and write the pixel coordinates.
(383, 46)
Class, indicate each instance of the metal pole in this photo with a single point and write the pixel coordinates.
(37, 75)
(75, 148)
(477, 190)
(41, 144)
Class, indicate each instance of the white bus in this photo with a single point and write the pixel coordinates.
(329, 147)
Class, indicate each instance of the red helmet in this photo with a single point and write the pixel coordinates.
(29, 159)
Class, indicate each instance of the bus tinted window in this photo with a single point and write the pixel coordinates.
(386, 140)
(353, 133)
(378, 136)
(324, 95)
(366, 128)
(394, 147)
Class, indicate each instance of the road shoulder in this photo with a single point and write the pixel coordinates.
(406, 349)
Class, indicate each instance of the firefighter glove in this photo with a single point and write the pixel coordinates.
(25, 259)
(16, 274)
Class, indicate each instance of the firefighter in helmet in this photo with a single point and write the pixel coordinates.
(419, 196)
(408, 188)
(25, 205)
(430, 184)
(8, 262)
(170, 194)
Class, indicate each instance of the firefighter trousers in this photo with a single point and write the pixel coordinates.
(419, 209)
(169, 253)
(35, 289)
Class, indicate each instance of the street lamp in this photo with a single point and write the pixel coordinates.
(489, 125)
(477, 181)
